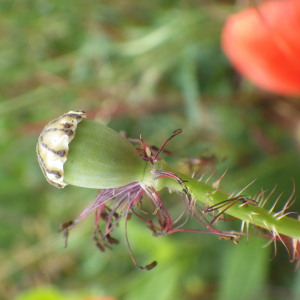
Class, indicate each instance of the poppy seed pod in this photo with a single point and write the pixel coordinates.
(76, 151)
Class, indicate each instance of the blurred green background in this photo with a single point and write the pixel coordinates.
(143, 67)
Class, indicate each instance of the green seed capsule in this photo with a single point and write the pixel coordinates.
(74, 150)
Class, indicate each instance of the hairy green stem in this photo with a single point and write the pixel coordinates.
(203, 192)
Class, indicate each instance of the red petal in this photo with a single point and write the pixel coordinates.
(263, 44)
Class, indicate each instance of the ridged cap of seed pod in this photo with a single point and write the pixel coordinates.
(53, 146)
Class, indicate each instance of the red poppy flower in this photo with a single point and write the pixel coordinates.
(263, 44)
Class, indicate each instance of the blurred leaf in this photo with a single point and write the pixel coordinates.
(244, 271)
(42, 293)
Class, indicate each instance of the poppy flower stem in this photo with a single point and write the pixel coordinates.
(248, 211)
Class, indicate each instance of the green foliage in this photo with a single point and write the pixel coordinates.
(42, 293)
(244, 271)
